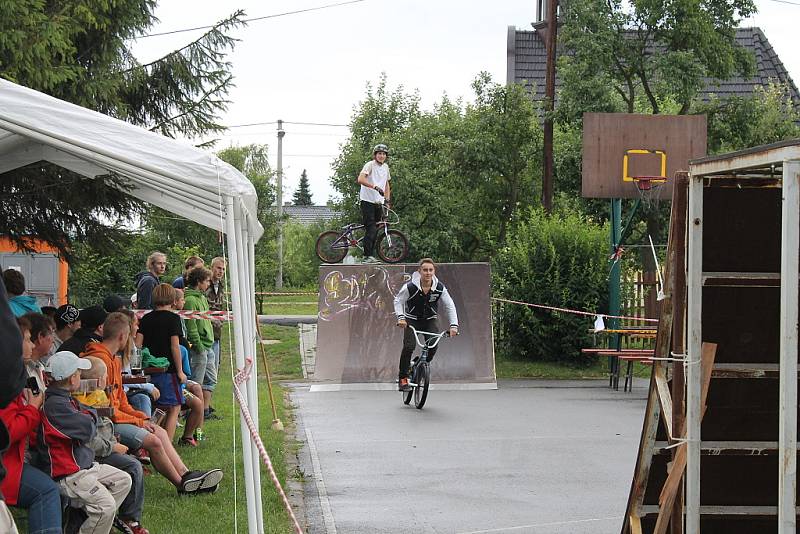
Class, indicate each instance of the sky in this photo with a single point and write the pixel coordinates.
(314, 67)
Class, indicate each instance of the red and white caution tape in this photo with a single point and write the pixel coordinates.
(287, 293)
(191, 314)
(576, 312)
(240, 377)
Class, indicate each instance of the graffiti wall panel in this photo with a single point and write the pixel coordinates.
(357, 340)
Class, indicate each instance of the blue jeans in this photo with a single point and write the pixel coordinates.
(141, 401)
(41, 497)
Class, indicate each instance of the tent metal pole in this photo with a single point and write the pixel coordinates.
(694, 345)
(250, 350)
(237, 267)
(787, 436)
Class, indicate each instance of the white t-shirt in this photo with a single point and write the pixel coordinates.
(376, 175)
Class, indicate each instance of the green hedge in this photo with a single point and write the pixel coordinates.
(557, 261)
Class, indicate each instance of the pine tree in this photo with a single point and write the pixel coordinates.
(302, 196)
(78, 50)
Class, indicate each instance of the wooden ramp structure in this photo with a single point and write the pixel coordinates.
(718, 450)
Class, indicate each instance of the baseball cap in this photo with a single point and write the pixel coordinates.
(92, 317)
(63, 364)
(66, 314)
(113, 303)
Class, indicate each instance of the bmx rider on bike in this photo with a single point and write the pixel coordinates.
(375, 190)
(416, 304)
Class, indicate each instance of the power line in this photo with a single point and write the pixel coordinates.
(254, 19)
(328, 124)
(270, 133)
(318, 124)
(786, 2)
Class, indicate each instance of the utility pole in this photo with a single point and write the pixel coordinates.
(549, 104)
(279, 202)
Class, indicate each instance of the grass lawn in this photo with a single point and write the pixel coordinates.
(221, 512)
(511, 368)
(167, 512)
(289, 305)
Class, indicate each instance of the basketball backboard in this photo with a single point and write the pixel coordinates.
(652, 143)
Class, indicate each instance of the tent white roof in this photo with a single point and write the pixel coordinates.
(165, 172)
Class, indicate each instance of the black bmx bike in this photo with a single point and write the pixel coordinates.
(391, 244)
(420, 373)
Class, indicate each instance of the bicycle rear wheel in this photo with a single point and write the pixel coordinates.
(330, 248)
(423, 381)
(392, 248)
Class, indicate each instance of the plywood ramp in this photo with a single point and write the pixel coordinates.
(358, 342)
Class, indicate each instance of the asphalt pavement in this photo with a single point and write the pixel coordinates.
(539, 457)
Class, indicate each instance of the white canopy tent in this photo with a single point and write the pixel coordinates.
(164, 172)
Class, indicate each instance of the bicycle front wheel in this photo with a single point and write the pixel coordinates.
(392, 246)
(330, 248)
(423, 381)
(407, 396)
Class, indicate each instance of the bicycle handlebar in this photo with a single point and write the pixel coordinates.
(438, 337)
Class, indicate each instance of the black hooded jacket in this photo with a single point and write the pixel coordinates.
(12, 370)
(145, 283)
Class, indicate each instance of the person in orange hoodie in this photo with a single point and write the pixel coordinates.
(135, 430)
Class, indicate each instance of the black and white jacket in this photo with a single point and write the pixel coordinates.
(412, 303)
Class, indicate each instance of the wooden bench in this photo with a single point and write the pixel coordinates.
(615, 356)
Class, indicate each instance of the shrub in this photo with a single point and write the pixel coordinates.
(557, 261)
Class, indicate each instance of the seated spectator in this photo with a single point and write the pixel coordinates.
(25, 486)
(12, 382)
(113, 303)
(49, 311)
(109, 451)
(140, 396)
(41, 332)
(91, 330)
(67, 429)
(190, 263)
(15, 285)
(68, 321)
(134, 429)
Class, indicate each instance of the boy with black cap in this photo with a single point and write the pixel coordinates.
(91, 330)
(66, 430)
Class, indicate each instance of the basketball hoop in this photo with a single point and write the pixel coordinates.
(649, 188)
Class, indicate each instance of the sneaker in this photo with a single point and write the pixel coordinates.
(123, 527)
(371, 259)
(190, 481)
(137, 527)
(211, 481)
(211, 416)
(404, 385)
(189, 442)
(142, 455)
